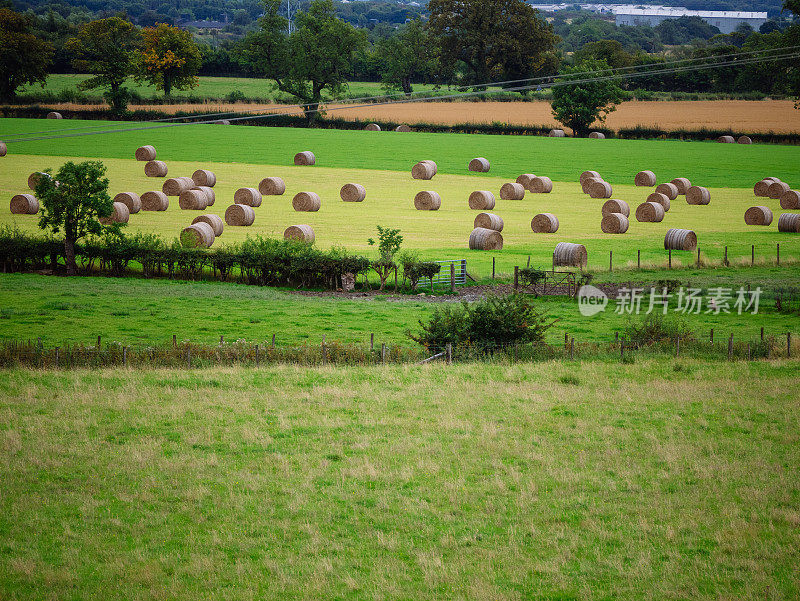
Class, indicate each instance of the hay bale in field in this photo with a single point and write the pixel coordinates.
(777, 189)
(697, 195)
(597, 135)
(301, 233)
(645, 178)
(24, 204)
(119, 214)
(130, 200)
(490, 221)
(789, 222)
(669, 190)
(678, 239)
(481, 200)
(744, 140)
(541, 185)
(353, 193)
(155, 201)
(650, 212)
(239, 215)
(193, 200)
(567, 254)
(423, 170)
(659, 198)
(479, 164)
(512, 191)
(726, 140)
(614, 223)
(247, 196)
(175, 186)
(54, 115)
(557, 133)
(373, 127)
(600, 190)
(272, 186)
(156, 169)
(204, 177)
(211, 197)
(525, 179)
(483, 238)
(221, 122)
(306, 201)
(3, 149)
(33, 179)
(790, 200)
(305, 158)
(682, 184)
(544, 223)
(586, 184)
(197, 235)
(145, 153)
(402, 127)
(215, 221)
(762, 187)
(432, 164)
(758, 216)
(427, 200)
(615, 206)
(589, 175)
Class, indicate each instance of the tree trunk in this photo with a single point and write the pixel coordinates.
(167, 86)
(69, 256)
(407, 86)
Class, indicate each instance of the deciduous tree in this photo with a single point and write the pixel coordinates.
(169, 59)
(407, 56)
(24, 58)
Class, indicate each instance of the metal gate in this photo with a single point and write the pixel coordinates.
(443, 277)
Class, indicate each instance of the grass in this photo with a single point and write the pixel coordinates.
(659, 480)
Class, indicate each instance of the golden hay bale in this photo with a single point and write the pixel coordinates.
(373, 127)
(650, 212)
(544, 223)
(197, 235)
(24, 204)
(789, 222)
(525, 179)
(557, 133)
(790, 200)
(744, 140)
(479, 164)
(758, 216)
(512, 191)
(3, 149)
(678, 239)
(541, 185)
(567, 254)
(193, 200)
(156, 169)
(726, 140)
(762, 188)
(490, 221)
(247, 196)
(597, 135)
(432, 164)
(221, 122)
(697, 195)
(586, 184)
(211, 197)
(353, 193)
(682, 184)
(272, 186)
(661, 199)
(427, 200)
(33, 179)
(777, 189)
(402, 127)
(54, 115)
(145, 153)
(302, 233)
(215, 221)
(481, 200)
(669, 190)
(590, 175)
(174, 186)
(772, 179)
(305, 157)
(645, 178)
(614, 223)
(204, 177)
(600, 190)
(119, 214)
(155, 201)
(306, 201)
(130, 200)
(240, 215)
(483, 238)
(616, 206)
(423, 170)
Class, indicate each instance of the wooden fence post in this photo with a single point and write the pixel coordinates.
(124, 356)
(698, 256)
(98, 343)
(371, 341)
(492, 267)
(273, 341)
(725, 260)
(383, 352)
(622, 351)
(677, 346)
(778, 255)
(711, 337)
(449, 353)
(257, 357)
(639, 259)
(752, 255)
(730, 347)
(670, 258)
(452, 277)
(571, 348)
(611, 260)
(57, 357)
(174, 340)
(221, 340)
(762, 333)
(516, 277)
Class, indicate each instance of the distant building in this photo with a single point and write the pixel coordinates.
(725, 21)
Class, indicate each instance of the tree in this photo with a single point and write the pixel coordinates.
(389, 241)
(580, 104)
(106, 49)
(72, 202)
(610, 51)
(493, 39)
(792, 38)
(407, 56)
(25, 58)
(169, 59)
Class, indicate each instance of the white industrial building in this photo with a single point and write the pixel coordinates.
(726, 21)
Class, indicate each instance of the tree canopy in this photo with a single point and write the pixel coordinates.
(407, 56)
(24, 58)
(169, 59)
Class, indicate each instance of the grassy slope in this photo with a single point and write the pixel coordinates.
(584, 481)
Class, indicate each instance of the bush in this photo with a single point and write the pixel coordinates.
(655, 328)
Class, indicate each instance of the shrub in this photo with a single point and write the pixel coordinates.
(655, 328)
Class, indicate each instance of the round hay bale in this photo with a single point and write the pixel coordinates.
(650, 212)
(744, 140)
(197, 235)
(303, 233)
(726, 140)
(567, 254)
(678, 239)
(790, 200)
(54, 115)
(600, 190)
(155, 201)
(272, 186)
(427, 200)
(525, 180)
(204, 177)
(489, 221)
(353, 193)
(758, 216)
(645, 178)
(130, 200)
(423, 170)
(586, 184)
(24, 204)
(772, 179)
(119, 214)
(479, 164)
(777, 189)
(669, 190)
(221, 122)
(305, 158)
(33, 179)
(789, 222)
(215, 221)
(541, 185)
(762, 188)
(544, 223)
(432, 164)
(193, 200)
(306, 201)
(616, 206)
(659, 198)
(373, 127)
(483, 238)
(175, 186)
(697, 195)
(682, 184)
(512, 191)
(247, 196)
(3, 149)
(211, 197)
(597, 135)
(145, 153)
(402, 127)
(557, 133)
(481, 200)
(589, 175)
(614, 223)
(156, 169)
(239, 215)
